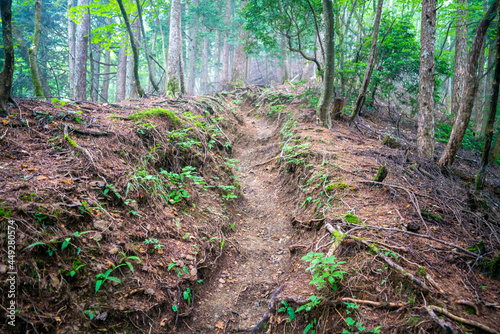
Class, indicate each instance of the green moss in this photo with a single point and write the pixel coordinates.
(71, 141)
(155, 112)
(421, 272)
(350, 218)
(430, 216)
(337, 185)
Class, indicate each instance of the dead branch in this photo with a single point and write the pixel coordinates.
(90, 133)
(4, 134)
(468, 303)
(463, 320)
(448, 329)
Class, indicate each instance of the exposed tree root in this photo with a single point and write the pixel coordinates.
(463, 320)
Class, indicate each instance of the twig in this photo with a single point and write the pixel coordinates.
(4, 134)
(462, 320)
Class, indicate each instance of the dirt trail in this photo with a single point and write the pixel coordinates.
(237, 297)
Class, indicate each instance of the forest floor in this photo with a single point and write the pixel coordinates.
(203, 215)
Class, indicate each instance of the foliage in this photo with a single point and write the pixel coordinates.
(324, 270)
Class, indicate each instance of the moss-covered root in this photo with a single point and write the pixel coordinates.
(381, 175)
(339, 237)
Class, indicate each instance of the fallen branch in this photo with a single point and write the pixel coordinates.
(4, 134)
(90, 133)
(448, 329)
(468, 252)
(463, 320)
(468, 303)
(339, 237)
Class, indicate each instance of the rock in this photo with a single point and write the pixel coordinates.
(3, 268)
(222, 280)
(193, 272)
(149, 291)
(114, 250)
(190, 257)
(100, 225)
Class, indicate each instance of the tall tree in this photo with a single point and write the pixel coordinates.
(425, 133)
(481, 175)
(461, 47)
(33, 50)
(106, 76)
(471, 84)
(322, 115)
(238, 71)
(224, 79)
(360, 101)
(194, 47)
(82, 42)
(121, 75)
(145, 47)
(71, 51)
(8, 49)
(204, 62)
(135, 52)
(174, 47)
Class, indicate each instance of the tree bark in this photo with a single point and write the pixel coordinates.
(8, 64)
(181, 53)
(135, 52)
(425, 132)
(145, 47)
(225, 54)
(173, 68)
(465, 108)
(461, 47)
(95, 69)
(121, 75)
(82, 38)
(360, 101)
(481, 175)
(33, 50)
(194, 49)
(286, 72)
(71, 51)
(481, 114)
(106, 78)
(204, 63)
(322, 115)
(238, 71)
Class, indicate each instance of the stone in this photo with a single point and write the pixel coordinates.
(100, 224)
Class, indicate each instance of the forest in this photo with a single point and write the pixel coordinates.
(224, 166)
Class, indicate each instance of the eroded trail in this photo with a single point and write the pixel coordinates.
(236, 297)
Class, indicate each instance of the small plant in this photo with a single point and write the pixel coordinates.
(126, 260)
(314, 301)
(229, 194)
(187, 296)
(323, 269)
(90, 314)
(101, 278)
(287, 309)
(113, 189)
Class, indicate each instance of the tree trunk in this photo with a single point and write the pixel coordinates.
(8, 49)
(322, 115)
(194, 49)
(33, 50)
(106, 77)
(173, 69)
(71, 51)
(95, 69)
(286, 73)
(145, 47)
(465, 108)
(481, 175)
(219, 35)
(204, 63)
(121, 75)
(225, 55)
(425, 132)
(238, 71)
(481, 117)
(135, 52)
(360, 101)
(82, 38)
(181, 54)
(461, 46)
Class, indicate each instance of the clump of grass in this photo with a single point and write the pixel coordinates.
(155, 112)
(350, 218)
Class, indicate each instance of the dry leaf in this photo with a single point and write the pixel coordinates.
(31, 169)
(24, 166)
(5, 122)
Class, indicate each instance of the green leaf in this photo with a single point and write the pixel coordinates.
(65, 243)
(98, 285)
(114, 279)
(35, 244)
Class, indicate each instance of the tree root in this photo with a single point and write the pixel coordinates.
(462, 320)
(448, 329)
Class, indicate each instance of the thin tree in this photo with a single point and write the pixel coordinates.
(471, 84)
(481, 175)
(82, 41)
(204, 62)
(194, 47)
(322, 115)
(8, 49)
(135, 52)
(174, 41)
(225, 53)
(71, 51)
(145, 47)
(360, 101)
(425, 133)
(121, 75)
